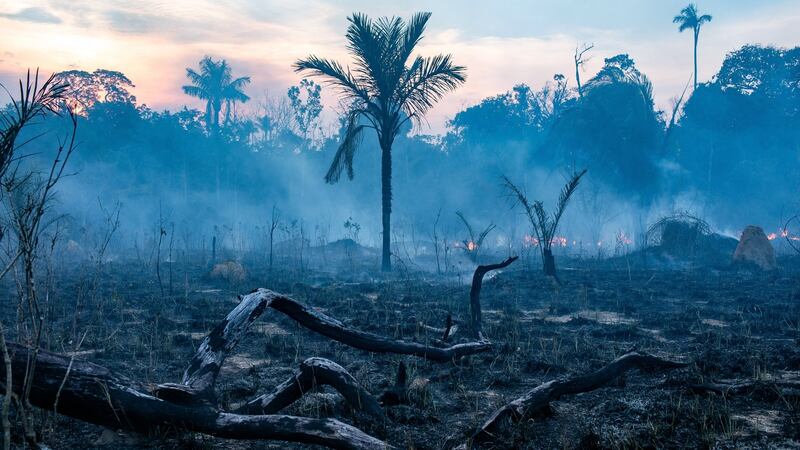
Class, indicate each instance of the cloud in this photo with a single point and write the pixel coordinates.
(153, 41)
(33, 14)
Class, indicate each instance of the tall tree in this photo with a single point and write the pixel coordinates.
(384, 91)
(216, 86)
(689, 18)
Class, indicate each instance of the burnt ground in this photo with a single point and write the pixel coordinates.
(732, 325)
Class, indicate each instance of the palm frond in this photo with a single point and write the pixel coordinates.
(343, 160)
(484, 233)
(467, 225)
(543, 222)
(34, 101)
(233, 90)
(196, 91)
(522, 199)
(239, 83)
(368, 49)
(413, 33)
(566, 194)
(427, 81)
(334, 74)
(391, 33)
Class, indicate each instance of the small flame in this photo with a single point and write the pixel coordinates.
(530, 241)
(624, 239)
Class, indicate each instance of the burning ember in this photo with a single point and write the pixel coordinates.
(530, 241)
(558, 241)
(469, 246)
(784, 233)
(624, 239)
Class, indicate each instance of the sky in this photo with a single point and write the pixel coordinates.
(501, 43)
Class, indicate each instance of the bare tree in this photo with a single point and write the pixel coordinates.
(579, 62)
(27, 195)
(273, 225)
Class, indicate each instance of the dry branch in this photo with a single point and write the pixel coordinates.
(537, 400)
(332, 328)
(314, 372)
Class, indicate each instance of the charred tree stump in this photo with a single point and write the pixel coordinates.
(537, 401)
(447, 327)
(314, 372)
(397, 394)
(475, 294)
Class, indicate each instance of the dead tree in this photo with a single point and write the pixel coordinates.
(27, 198)
(536, 402)
(579, 62)
(273, 225)
(475, 294)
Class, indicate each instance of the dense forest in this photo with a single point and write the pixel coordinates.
(225, 168)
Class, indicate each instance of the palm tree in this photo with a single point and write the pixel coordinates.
(215, 85)
(687, 19)
(545, 226)
(384, 91)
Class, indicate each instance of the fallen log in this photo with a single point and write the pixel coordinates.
(782, 387)
(94, 394)
(537, 401)
(314, 372)
(207, 361)
(332, 328)
(475, 294)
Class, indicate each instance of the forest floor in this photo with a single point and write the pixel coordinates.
(731, 325)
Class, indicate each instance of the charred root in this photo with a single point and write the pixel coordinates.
(537, 401)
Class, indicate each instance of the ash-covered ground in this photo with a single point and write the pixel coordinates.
(734, 326)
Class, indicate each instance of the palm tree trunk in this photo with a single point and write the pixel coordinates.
(549, 263)
(696, 35)
(386, 199)
(209, 117)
